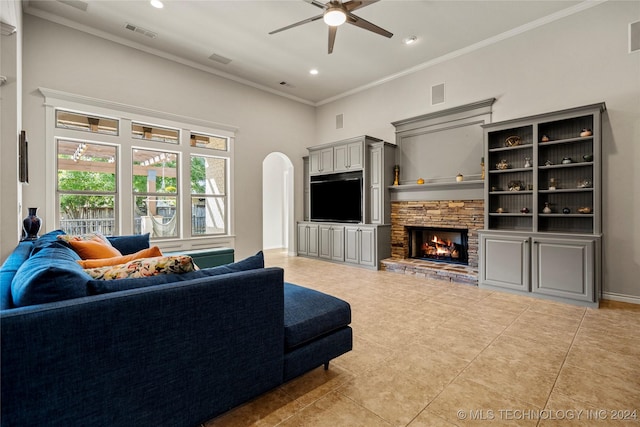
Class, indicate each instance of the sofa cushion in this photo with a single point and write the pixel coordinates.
(52, 274)
(9, 270)
(105, 286)
(153, 251)
(47, 239)
(309, 314)
(130, 244)
(145, 267)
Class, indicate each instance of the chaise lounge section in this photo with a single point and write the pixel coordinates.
(171, 354)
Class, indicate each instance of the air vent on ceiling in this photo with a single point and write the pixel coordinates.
(219, 58)
(140, 30)
(80, 5)
(286, 84)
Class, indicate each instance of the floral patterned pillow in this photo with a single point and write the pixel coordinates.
(84, 237)
(145, 267)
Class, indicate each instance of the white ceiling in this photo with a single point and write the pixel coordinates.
(190, 31)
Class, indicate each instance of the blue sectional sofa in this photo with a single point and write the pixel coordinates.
(177, 352)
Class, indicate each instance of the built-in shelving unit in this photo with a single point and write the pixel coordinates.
(363, 244)
(543, 203)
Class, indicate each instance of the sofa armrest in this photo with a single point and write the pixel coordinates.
(175, 354)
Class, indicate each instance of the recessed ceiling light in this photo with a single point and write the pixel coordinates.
(410, 40)
(313, 71)
(157, 4)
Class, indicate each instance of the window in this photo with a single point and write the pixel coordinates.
(155, 189)
(208, 195)
(84, 122)
(87, 186)
(154, 133)
(128, 170)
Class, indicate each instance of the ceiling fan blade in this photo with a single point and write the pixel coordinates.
(317, 3)
(363, 23)
(332, 37)
(352, 5)
(315, 18)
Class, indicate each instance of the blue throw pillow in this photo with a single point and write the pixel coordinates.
(52, 274)
(105, 286)
(130, 244)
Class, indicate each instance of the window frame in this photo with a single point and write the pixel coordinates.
(124, 141)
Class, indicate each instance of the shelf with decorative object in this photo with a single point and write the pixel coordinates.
(544, 179)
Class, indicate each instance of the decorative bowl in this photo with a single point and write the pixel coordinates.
(585, 210)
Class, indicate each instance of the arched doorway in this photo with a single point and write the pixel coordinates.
(277, 202)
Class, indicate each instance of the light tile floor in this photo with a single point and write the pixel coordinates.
(435, 353)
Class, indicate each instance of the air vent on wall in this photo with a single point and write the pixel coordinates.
(634, 37)
(80, 5)
(219, 58)
(437, 94)
(141, 30)
(339, 121)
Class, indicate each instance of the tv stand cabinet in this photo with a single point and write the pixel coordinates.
(366, 243)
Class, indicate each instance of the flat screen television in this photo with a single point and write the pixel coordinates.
(336, 197)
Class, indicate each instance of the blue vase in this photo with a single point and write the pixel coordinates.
(31, 225)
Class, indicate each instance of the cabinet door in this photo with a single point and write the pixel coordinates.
(314, 162)
(340, 158)
(337, 243)
(367, 246)
(324, 241)
(312, 240)
(564, 268)
(326, 160)
(351, 244)
(375, 189)
(354, 155)
(303, 241)
(505, 261)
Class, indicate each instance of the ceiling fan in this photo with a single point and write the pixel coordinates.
(337, 13)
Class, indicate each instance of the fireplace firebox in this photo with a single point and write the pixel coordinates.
(439, 244)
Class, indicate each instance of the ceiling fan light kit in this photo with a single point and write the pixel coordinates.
(337, 13)
(334, 17)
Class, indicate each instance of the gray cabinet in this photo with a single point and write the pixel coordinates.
(331, 242)
(559, 266)
(564, 268)
(321, 161)
(543, 184)
(505, 261)
(360, 245)
(348, 157)
(367, 243)
(380, 162)
(307, 239)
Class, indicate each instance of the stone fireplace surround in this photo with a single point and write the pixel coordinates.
(467, 214)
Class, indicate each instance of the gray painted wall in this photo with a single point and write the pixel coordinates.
(578, 60)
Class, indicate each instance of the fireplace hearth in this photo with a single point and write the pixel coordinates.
(448, 245)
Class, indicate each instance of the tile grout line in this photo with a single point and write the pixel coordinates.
(564, 360)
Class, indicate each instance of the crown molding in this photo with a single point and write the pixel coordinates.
(7, 29)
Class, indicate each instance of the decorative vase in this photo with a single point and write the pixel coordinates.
(459, 178)
(547, 208)
(31, 225)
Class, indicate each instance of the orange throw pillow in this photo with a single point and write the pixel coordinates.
(151, 252)
(92, 249)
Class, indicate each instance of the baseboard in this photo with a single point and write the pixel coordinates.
(621, 297)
